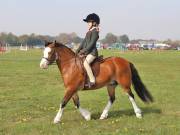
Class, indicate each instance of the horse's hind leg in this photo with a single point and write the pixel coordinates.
(111, 92)
(125, 81)
(85, 113)
(137, 110)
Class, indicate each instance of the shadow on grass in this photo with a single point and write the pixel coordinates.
(128, 112)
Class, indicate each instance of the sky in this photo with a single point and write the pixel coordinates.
(139, 19)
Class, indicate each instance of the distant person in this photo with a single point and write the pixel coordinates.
(88, 46)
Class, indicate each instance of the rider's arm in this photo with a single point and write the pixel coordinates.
(80, 47)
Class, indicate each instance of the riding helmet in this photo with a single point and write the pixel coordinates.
(92, 17)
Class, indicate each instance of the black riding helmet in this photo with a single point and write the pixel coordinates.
(92, 17)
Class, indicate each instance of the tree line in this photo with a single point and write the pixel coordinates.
(65, 38)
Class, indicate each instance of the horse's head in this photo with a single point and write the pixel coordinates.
(49, 55)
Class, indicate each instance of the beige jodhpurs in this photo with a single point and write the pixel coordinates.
(89, 59)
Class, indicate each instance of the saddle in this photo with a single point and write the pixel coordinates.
(95, 66)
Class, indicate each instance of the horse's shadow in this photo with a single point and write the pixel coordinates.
(128, 112)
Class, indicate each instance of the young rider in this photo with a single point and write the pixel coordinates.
(88, 46)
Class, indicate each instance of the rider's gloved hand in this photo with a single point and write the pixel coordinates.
(81, 52)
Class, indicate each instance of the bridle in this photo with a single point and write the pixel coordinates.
(50, 61)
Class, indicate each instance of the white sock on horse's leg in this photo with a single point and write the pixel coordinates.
(57, 119)
(104, 115)
(85, 113)
(137, 110)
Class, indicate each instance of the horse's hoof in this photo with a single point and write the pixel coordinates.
(88, 117)
(139, 115)
(85, 113)
(56, 121)
(103, 116)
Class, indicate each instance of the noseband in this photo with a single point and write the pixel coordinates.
(49, 60)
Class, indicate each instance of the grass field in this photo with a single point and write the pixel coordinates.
(30, 97)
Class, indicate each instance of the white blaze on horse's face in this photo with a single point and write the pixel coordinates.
(44, 61)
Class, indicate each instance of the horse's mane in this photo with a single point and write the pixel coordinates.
(65, 48)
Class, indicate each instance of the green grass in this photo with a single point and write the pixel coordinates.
(30, 97)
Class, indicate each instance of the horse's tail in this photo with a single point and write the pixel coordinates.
(139, 87)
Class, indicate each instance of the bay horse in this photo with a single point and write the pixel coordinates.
(113, 71)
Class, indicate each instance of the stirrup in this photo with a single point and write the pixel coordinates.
(90, 84)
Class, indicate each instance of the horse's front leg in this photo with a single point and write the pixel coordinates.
(111, 92)
(85, 113)
(65, 100)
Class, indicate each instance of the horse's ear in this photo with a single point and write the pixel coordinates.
(55, 45)
(46, 43)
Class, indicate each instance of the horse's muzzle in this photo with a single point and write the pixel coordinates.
(44, 63)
